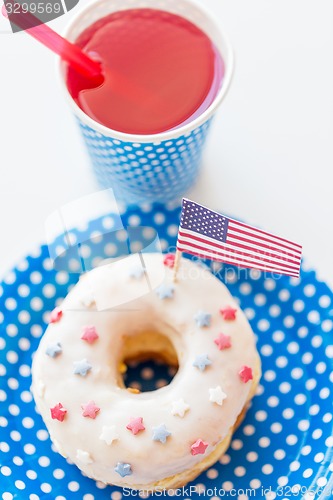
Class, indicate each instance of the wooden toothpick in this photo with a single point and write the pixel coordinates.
(176, 265)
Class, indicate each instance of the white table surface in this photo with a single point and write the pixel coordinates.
(269, 157)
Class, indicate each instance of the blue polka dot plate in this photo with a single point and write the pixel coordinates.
(283, 449)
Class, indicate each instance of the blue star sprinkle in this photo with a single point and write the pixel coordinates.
(165, 291)
(161, 433)
(202, 319)
(82, 367)
(136, 272)
(53, 350)
(123, 469)
(201, 362)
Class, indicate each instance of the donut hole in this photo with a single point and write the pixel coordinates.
(149, 362)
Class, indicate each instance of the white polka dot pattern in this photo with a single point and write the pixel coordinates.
(138, 172)
(286, 440)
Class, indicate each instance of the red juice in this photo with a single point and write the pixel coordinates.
(160, 70)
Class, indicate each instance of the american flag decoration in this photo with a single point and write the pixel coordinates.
(209, 234)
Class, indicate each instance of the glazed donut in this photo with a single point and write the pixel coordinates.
(132, 309)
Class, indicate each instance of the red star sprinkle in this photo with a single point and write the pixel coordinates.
(199, 447)
(169, 260)
(90, 410)
(223, 341)
(89, 334)
(245, 374)
(135, 425)
(55, 315)
(228, 313)
(58, 412)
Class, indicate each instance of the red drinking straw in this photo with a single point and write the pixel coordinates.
(68, 51)
(78, 60)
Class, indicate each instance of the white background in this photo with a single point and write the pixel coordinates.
(269, 157)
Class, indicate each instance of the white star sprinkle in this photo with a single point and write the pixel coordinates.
(179, 408)
(217, 395)
(84, 457)
(87, 300)
(109, 434)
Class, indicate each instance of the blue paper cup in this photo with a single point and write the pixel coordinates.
(159, 167)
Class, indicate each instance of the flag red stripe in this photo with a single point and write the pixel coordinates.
(219, 245)
(263, 245)
(250, 266)
(274, 265)
(299, 247)
(262, 238)
(237, 255)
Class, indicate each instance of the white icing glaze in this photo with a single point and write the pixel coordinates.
(97, 445)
